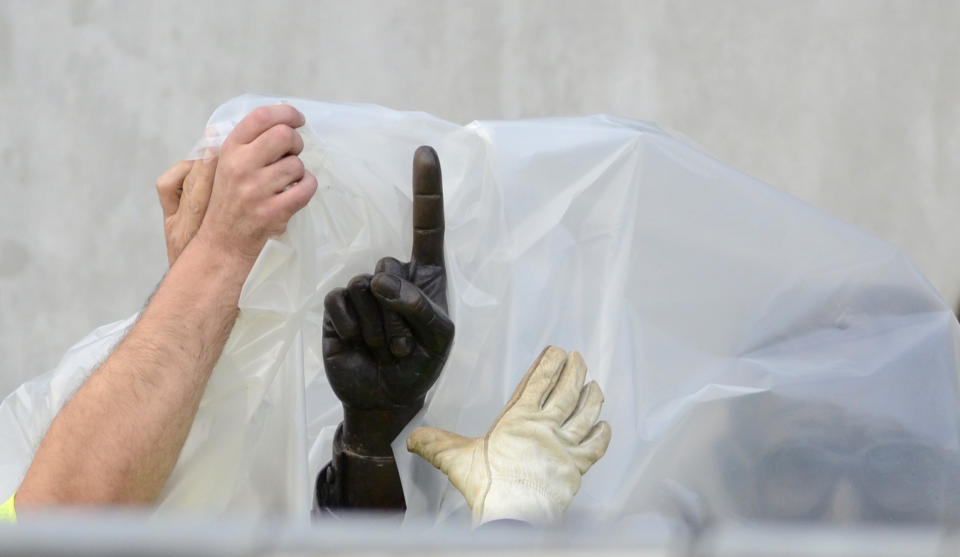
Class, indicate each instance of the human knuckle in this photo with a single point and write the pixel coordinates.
(260, 115)
(292, 168)
(297, 146)
(165, 184)
(297, 164)
(257, 219)
(225, 150)
(248, 195)
(281, 134)
(278, 216)
(296, 203)
(232, 164)
(264, 215)
(285, 111)
(285, 212)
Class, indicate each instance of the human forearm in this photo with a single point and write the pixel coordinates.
(118, 438)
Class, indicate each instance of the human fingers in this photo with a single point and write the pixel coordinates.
(197, 187)
(592, 448)
(368, 313)
(297, 195)
(430, 324)
(170, 185)
(275, 143)
(585, 414)
(342, 316)
(399, 335)
(243, 211)
(428, 220)
(261, 120)
(283, 173)
(562, 399)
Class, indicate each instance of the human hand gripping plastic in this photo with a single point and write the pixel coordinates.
(529, 464)
(259, 183)
(386, 337)
(184, 192)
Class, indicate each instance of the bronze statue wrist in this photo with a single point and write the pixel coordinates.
(354, 481)
(370, 432)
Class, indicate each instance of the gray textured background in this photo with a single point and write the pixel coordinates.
(851, 106)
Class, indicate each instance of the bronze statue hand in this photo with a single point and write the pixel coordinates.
(386, 336)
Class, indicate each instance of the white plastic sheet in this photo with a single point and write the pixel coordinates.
(732, 328)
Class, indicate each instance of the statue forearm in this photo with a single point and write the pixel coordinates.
(354, 481)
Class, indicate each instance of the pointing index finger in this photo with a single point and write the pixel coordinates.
(428, 223)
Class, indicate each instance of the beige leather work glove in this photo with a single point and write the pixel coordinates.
(528, 466)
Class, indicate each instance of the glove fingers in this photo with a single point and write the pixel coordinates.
(592, 448)
(563, 399)
(540, 379)
(585, 415)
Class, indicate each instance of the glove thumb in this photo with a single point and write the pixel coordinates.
(438, 446)
(452, 454)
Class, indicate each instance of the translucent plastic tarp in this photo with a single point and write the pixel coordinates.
(759, 358)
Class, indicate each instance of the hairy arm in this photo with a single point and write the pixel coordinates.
(117, 440)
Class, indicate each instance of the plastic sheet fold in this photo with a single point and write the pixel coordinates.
(760, 359)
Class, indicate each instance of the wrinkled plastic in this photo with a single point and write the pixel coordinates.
(759, 358)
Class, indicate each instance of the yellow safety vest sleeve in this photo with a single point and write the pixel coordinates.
(7, 512)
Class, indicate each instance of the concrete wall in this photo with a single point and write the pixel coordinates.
(851, 106)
